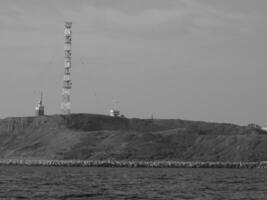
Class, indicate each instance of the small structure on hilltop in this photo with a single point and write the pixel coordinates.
(39, 109)
(114, 113)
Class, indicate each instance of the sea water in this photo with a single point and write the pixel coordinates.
(18, 182)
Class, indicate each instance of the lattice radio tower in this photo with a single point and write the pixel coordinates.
(65, 104)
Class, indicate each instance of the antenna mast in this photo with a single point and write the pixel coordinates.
(65, 104)
(39, 109)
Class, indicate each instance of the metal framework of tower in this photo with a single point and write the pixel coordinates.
(65, 104)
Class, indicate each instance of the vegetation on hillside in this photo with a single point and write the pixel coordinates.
(99, 137)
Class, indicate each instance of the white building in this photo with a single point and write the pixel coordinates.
(114, 113)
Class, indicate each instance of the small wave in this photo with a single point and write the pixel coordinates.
(12, 197)
(79, 195)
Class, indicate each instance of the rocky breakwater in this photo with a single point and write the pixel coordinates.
(131, 164)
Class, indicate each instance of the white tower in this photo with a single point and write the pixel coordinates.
(65, 104)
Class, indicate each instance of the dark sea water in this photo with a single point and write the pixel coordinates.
(135, 183)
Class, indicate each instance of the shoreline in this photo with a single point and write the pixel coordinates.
(132, 163)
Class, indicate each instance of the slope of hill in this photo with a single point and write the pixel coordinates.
(87, 136)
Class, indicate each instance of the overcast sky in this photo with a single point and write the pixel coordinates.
(189, 59)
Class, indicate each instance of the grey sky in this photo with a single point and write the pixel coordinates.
(190, 59)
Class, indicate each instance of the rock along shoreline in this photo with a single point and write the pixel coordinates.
(132, 163)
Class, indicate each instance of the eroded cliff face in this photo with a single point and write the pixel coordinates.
(87, 136)
(85, 122)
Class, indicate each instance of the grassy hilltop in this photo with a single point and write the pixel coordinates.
(87, 136)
